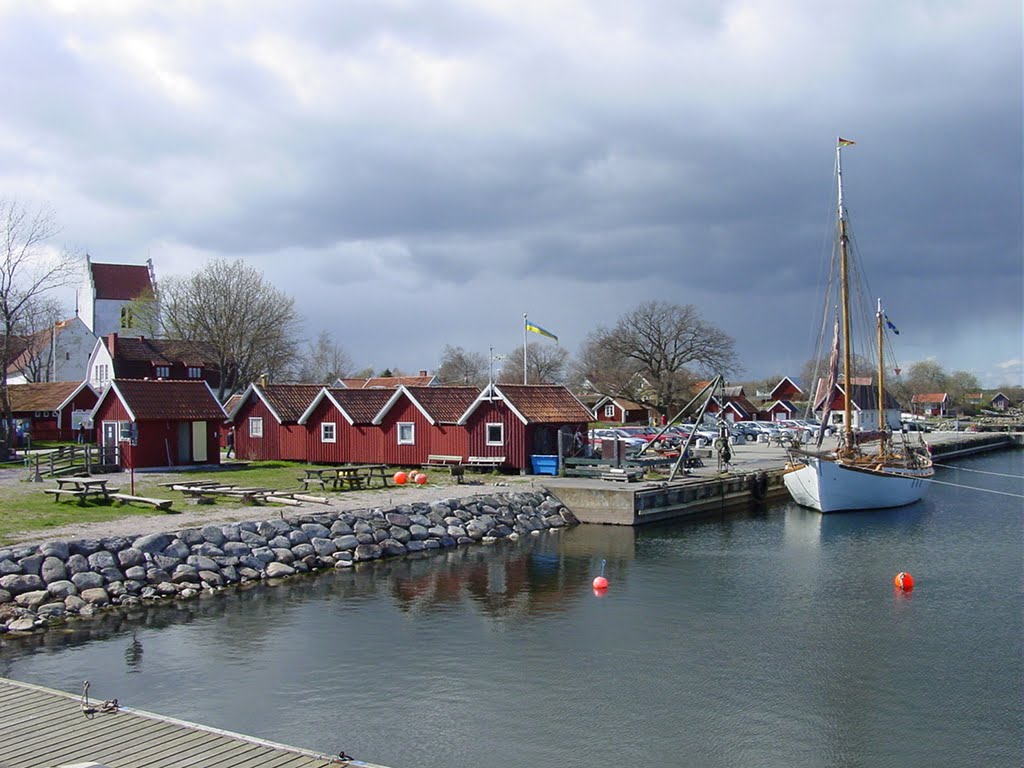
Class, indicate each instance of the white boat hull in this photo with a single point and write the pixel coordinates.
(829, 486)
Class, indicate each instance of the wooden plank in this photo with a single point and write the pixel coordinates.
(42, 727)
(158, 503)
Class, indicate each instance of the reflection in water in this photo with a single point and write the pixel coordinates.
(133, 654)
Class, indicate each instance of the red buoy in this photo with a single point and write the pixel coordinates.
(600, 582)
(904, 581)
(400, 478)
(420, 479)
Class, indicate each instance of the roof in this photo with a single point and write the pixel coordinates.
(359, 406)
(538, 403)
(120, 281)
(932, 397)
(444, 405)
(288, 401)
(862, 396)
(162, 351)
(43, 396)
(150, 400)
(782, 385)
(385, 382)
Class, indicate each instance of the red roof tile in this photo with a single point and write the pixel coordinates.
(445, 404)
(361, 404)
(931, 397)
(173, 400)
(545, 403)
(290, 401)
(120, 281)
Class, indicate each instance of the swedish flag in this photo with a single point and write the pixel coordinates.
(534, 328)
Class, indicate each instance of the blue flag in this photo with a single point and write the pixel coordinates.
(890, 326)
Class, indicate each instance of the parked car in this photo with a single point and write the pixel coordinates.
(633, 443)
(745, 430)
(708, 433)
(915, 426)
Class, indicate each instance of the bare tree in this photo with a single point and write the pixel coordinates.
(461, 367)
(657, 350)
(38, 326)
(28, 270)
(545, 364)
(927, 376)
(324, 361)
(250, 324)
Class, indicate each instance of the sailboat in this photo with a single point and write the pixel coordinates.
(867, 469)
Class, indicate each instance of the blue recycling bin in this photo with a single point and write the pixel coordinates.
(544, 465)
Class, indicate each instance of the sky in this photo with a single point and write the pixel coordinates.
(421, 174)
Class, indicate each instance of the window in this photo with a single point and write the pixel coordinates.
(255, 426)
(101, 373)
(126, 317)
(194, 372)
(406, 433)
(163, 371)
(495, 434)
(609, 411)
(327, 433)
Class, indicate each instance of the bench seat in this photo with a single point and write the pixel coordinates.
(485, 462)
(158, 503)
(438, 460)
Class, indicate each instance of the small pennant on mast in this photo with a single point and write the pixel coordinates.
(845, 142)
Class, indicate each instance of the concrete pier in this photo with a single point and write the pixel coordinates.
(753, 476)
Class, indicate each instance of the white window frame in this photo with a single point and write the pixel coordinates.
(501, 433)
(328, 432)
(609, 411)
(406, 433)
(195, 372)
(162, 371)
(255, 424)
(100, 371)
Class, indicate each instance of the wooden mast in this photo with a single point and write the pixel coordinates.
(845, 283)
(881, 375)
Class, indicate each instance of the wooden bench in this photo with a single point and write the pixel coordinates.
(485, 462)
(623, 475)
(82, 493)
(158, 503)
(437, 460)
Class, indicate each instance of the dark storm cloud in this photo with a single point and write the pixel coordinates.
(480, 157)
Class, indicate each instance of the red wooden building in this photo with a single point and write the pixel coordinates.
(518, 421)
(787, 389)
(340, 426)
(50, 410)
(419, 421)
(266, 421)
(159, 423)
(618, 410)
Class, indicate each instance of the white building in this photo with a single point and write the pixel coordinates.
(107, 293)
(60, 353)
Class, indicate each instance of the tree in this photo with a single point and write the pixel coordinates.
(925, 377)
(29, 269)
(37, 327)
(461, 367)
(249, 324)
(545, 364)
(655, 352)
(960, 384)
(324, 361)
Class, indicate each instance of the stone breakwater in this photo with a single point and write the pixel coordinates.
(45, 585)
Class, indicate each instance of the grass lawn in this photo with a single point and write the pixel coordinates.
(23, 506)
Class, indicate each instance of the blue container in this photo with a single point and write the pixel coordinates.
(544, 465)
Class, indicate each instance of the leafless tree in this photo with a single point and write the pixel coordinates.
(29, 269)
(230, 306)
(545, 364)
(461, 367)
(324, 361)
(38, 327)
(654, 353)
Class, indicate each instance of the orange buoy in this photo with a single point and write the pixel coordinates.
(600, 582)
(420, 479)
(904, 581)
(400, 478)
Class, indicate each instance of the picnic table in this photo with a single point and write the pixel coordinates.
(81, 488)
(358, 476)
(315, 476)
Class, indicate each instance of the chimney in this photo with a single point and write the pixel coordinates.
(423, 374)
(262, 381)
(112, 344)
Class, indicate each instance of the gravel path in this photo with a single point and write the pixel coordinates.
(193, 516)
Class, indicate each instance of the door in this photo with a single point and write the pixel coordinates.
(111, 436)
(184, 442)
(199, 446)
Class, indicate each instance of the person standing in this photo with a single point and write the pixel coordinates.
(81, 433)
(231, 443)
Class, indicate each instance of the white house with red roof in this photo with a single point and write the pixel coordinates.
(58, 353)
(108, 290)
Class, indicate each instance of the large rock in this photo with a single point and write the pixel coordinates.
(62, 589)
(346, 542)
(213, 534)
(130, 556)
(83, 546)
(31, 564)
(367, 552)
(102, 559)
(32, 600)
(152, 543)
(87, 580)
(57, 549)
(20, 583)
(96, 596)
(276, 570)
(53, 570)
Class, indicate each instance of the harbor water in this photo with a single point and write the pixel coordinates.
(774, 638)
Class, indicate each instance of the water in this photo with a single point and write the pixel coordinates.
(774, 639)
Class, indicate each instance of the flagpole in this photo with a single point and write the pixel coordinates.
(524, 348)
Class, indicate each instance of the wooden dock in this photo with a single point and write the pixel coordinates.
(43, 728)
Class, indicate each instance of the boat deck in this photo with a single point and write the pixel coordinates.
(43, 728)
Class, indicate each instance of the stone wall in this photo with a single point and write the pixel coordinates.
(45, 585)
